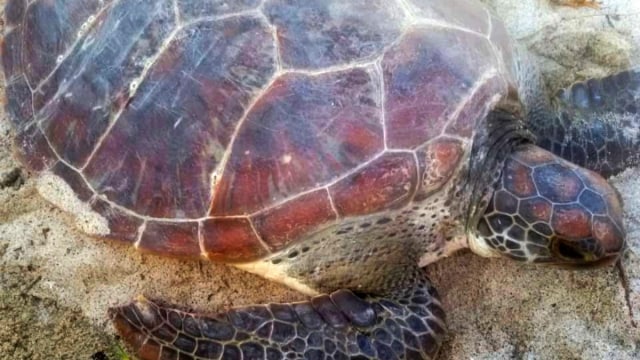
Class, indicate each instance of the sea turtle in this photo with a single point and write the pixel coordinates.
(333, 146)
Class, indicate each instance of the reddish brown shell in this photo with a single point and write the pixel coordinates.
(232, 129)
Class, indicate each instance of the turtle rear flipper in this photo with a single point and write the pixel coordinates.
(597, 123)
(342, 325)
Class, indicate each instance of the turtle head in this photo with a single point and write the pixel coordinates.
(547, 210)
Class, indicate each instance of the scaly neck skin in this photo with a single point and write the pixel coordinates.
(504, 130)
(493, 143)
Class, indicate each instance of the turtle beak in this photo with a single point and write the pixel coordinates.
(584, 253)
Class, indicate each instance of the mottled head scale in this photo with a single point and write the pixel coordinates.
(547, 210)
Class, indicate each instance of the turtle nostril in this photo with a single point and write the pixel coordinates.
(568, 252)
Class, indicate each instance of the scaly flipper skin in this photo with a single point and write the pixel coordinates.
(409, 325)
(597, 124)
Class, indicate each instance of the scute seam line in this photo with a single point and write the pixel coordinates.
(418, 177)
(484, 79)
(22, 62)
(124, 209)
(383, 100)
(440, 24)
(221, 167)
(260, 240)
(406, 7)
(327, 186)
(76, 42)
(176, 12)
(276, 41)
(203, 253)
(252, 104)
(350, 172)
(490, 23)
(497, 54)
(212, 19)
(26, 78)
(137, 80)
(333, 182)
(333, 205)
(141, 230)
(366, 63)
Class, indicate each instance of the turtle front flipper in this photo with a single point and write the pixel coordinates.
(407, 325)
(597, 123)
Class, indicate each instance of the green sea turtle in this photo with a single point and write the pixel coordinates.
(333, 146)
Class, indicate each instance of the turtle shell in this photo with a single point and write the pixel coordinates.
(234, 129)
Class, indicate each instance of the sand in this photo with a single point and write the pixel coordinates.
(56, 283)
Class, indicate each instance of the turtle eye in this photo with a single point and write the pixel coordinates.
(567, 251)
